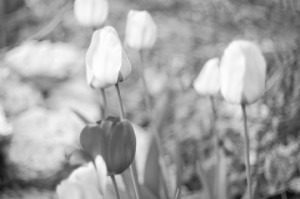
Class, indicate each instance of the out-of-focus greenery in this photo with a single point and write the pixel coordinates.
(189, 33)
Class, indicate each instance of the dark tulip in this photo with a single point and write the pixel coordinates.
(114, 140)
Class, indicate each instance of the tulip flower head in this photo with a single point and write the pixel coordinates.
(91, 13)
(106, 60)
(208, 80)
(242, 73)
(141, 30)
(86, 182)
(114, 140)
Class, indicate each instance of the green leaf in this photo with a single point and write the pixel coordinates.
(147, 160)
(152, 169)
(82, 117)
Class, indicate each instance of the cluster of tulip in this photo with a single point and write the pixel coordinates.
(110, 143)
(240, 76)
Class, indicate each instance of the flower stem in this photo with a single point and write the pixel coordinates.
(146, 91)
(155, 132)
(104, 102)
(115, 186)
(216, 146)
(122, 115)
(248, 172)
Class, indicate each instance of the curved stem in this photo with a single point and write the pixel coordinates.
(122, 115)
(104, 102)
(115, 186)
(248, 172)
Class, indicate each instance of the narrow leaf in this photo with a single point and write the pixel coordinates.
(147, 160)
(82, 117)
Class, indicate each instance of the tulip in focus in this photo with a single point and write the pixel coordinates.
(106, 61)
(91, 13)
(86, 182)
(141, 30)
(208, 80)
(114, 140)
(242, 73)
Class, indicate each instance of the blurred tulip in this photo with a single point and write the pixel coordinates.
(207, 82)
(106, 61)
(91, 13)
(242, 73)
(141, 30)
(86, 182)
(114, 140)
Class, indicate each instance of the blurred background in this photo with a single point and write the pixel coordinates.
(43, 92)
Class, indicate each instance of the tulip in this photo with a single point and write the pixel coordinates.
(207, 82)
(106, 61)
(86, 182)
(242, 73)
(91, 13)
(141, 30)
(114, 140)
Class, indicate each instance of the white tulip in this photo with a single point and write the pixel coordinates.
(208, 80)
(141, 30)
(91, 13)
(106, 60)
(242, 73)
(86, 182)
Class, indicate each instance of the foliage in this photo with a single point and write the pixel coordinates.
(189, 33)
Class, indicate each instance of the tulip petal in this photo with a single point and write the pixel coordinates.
(91, 139)
(91, 178)
(207, 82)
(91, 13)
(102, 173)
(122, 147)
(141, 30)
(126, 67)
(233, 70)
(242, 72)
(68, 190)
(254, 81)
(106, 58)
(150, 33)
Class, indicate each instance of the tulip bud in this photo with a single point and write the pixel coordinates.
(106, 61)
(242, 73)
(114, 140)
(141, 30)
(208, 80)
(91, 13)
